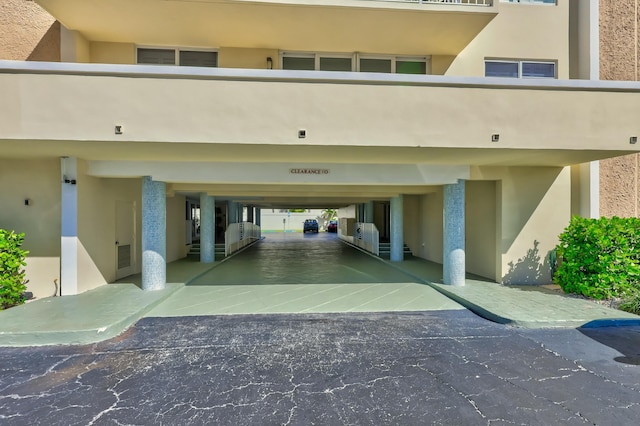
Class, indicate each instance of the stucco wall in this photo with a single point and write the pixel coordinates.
(113, 53)
(618, 40)
(533, 208)
(74, 47)
(412, 223)
(27, 32)
(39, 221)
(520, 31)
(247, 58)
(176, 238)
(619, 186)
(619, 55)
(480, 227)
(432, 232)
(423, 231)
(97, 226)
(272, 220)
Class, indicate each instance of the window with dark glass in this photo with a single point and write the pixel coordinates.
(520, 69)
(335, 64)
(375, 65)
(187, 58)
(298, 63)
(195, 58)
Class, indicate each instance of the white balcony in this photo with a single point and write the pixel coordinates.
(442, 2)
(392, 27)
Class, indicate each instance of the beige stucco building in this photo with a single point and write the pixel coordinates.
(469, 130)
(619, 60)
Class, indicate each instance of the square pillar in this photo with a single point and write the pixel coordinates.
(69, 227)
(154, 235)
(454, 266)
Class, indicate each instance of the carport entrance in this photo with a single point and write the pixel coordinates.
(302, 273)
(297, 258)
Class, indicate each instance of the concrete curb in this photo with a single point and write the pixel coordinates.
(80, 335)
(490, 315)
(101, 332)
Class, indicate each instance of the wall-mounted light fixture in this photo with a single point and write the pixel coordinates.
(633, 140)
(118, 130)
(495, 137)
(269, 63)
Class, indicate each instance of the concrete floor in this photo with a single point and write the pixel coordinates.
(303, 273)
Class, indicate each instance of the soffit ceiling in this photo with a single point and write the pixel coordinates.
(347, 26)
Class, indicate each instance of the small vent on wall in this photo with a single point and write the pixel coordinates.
(124, 256)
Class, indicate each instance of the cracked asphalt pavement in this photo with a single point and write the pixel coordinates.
(446, 367)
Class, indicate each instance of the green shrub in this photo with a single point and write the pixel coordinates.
(12, 275)
(631, 304)
(600, 258)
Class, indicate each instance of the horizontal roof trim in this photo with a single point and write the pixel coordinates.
(178, 72)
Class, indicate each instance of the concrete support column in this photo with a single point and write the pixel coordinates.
(454, 234)
(232, 212)
(69, 227)
(154, 234)
(258, 216)
(250, 214)
(590, 190)
(207, 228)
(240, 211)
(368, 212)
(397, 229)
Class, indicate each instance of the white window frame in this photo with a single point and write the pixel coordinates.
(519, 62)
(536, 2)
(355, 59)
(176, 53)
(316, 57)
(394, 60)
(337, 56)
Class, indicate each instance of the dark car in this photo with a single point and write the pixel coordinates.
(332, 226)
(310, 225)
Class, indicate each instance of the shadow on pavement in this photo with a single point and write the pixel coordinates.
(624, 339)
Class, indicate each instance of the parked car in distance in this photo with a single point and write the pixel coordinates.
(310, 225)
(332, 226)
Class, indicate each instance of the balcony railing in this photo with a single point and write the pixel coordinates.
(465, 2)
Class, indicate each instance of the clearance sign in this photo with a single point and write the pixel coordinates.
(309, 171)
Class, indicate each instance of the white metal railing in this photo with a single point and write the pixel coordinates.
(239, 235)
(467, 2)
(367, 237)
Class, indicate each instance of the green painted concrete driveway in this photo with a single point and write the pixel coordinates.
(302, 273)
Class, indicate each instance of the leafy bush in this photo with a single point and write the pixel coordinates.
(631, 304)
(600, 258)
(12, 275)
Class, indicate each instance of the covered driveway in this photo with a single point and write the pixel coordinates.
(302, 273)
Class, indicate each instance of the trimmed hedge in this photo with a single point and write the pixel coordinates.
(12, 275)
(600, 258)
